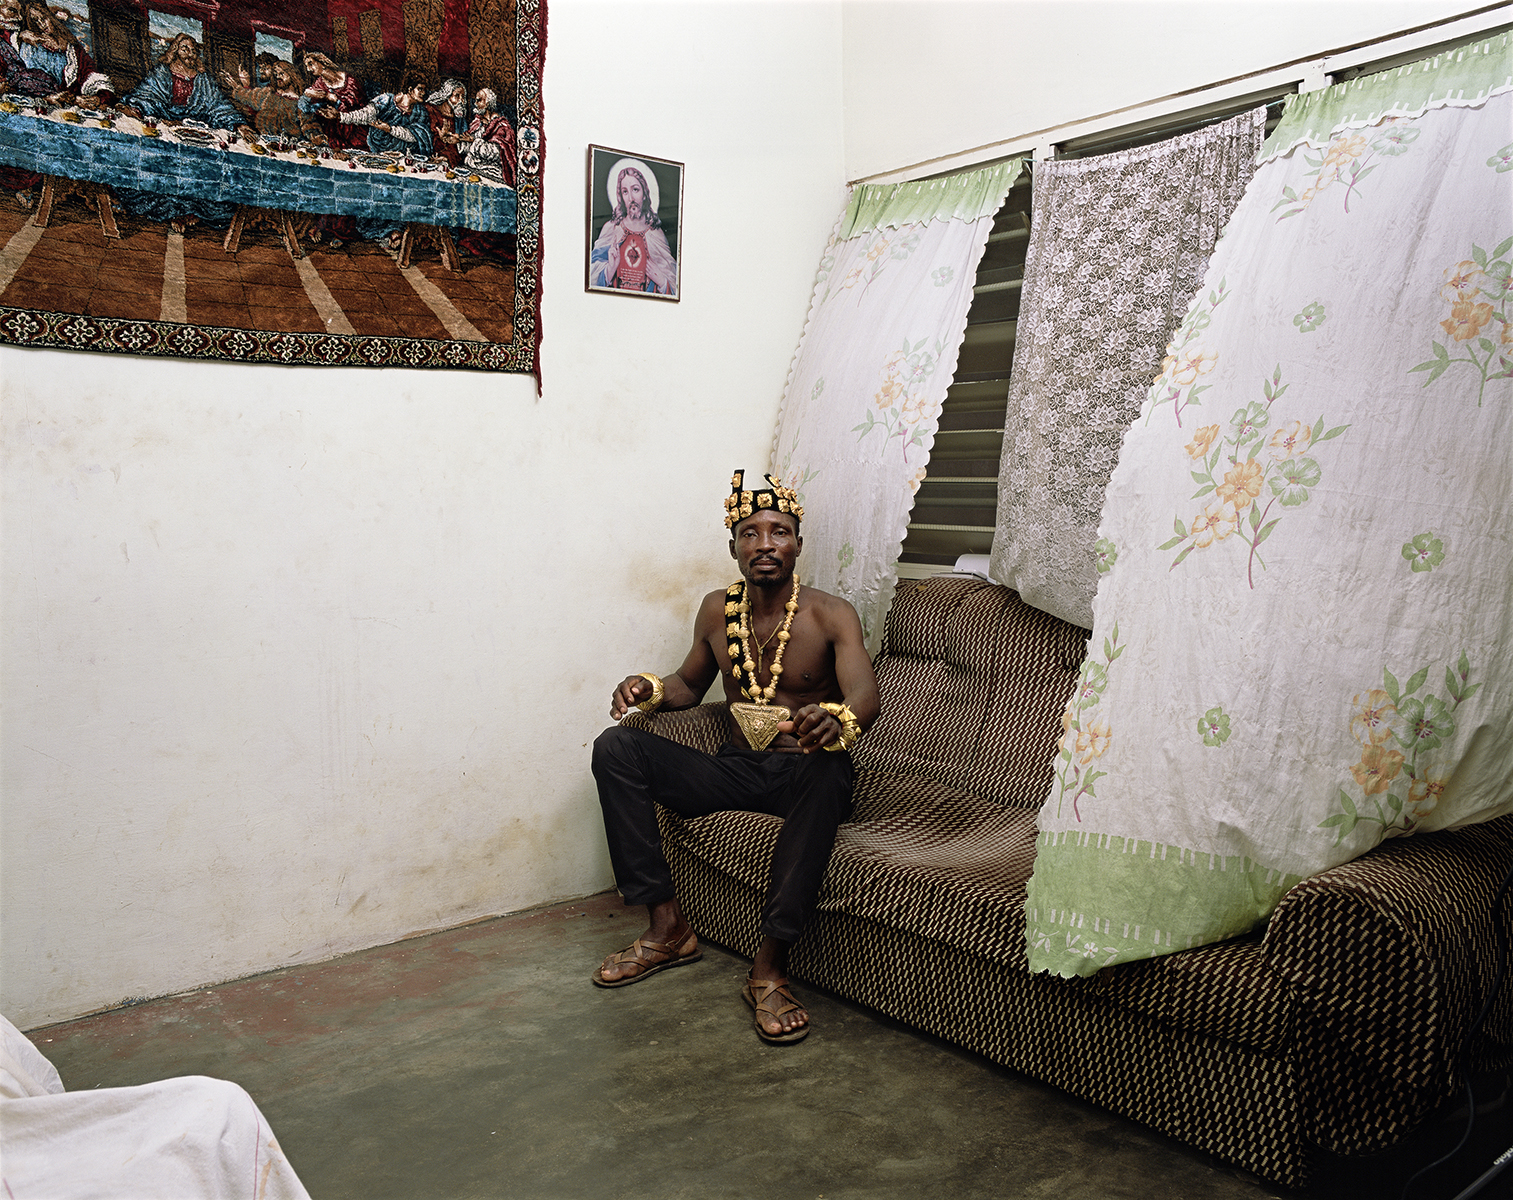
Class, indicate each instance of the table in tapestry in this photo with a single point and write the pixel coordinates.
(122, 156)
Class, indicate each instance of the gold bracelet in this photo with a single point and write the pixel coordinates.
(656, 692)
(850, 727)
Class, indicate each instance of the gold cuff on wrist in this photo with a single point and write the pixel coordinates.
(850, 727)
(656, 692)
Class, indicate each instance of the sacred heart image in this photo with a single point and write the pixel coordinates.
(635, 224)
(312, 182)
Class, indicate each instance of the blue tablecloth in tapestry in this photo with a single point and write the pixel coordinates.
(238, 175)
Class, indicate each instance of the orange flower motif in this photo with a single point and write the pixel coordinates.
(888, 395)
(1377, 769)
(1463, 281)
(1343, 150)
(1372, 723)
(1291, 439)
(915, 410)
(1424, 795)
(1214, 524)
(1191, 364)
(1466, 320)
(1242, 484)
(1094, 740)
(1202, 440)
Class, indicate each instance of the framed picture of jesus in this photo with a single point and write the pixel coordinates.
(635, 224)
(308, 182)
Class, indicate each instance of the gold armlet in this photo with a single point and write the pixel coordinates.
(850, 727)
(656, 692)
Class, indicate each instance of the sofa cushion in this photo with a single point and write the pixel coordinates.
(917, 856)
(947, 868)
(973, 682)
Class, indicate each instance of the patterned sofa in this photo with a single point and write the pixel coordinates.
(1335, 1028)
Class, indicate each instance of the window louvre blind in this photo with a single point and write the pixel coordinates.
(957, 503)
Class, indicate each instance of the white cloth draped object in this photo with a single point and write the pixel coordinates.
(864, 394)
(190, 1138)
(1302, 643)
(1118, 243)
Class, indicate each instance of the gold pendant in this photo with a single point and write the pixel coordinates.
(759, 722)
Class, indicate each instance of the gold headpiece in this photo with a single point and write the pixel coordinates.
(741, 503)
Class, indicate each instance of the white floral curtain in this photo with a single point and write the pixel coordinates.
(1117, 245)
(1301, 646)
(864, 394)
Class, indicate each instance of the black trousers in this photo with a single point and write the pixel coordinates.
(637, 770)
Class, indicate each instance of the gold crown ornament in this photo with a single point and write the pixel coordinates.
(742, 502)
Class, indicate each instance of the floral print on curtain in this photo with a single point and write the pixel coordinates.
(1117, 245)
(1307, 582)
(866, 387)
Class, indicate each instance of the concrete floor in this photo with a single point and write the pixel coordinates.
(479, 1062)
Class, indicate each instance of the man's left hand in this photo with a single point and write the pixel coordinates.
(813, 727)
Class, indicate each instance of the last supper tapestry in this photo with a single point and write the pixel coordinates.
(308, 182)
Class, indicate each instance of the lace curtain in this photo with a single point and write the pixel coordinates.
(864, 393)
(1118, 244)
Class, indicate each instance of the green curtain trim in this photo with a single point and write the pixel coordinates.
(1096, 899)
(1464, 77)
(964, 197)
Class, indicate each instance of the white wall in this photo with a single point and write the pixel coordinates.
(298, 661)
(928, 78)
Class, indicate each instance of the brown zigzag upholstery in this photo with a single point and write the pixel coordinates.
(1337, 1029)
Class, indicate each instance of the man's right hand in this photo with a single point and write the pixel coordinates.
(633, 690)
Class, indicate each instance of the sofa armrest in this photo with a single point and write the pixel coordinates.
(705, 727)
(1390, 958)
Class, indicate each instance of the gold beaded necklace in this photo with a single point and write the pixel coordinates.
(759, 719)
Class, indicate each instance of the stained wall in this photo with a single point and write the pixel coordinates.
(299, 661)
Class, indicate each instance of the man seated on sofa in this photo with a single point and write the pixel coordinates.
(801, 690)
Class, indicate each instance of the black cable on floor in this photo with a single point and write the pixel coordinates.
(1489, 1175)
(1465, 1050)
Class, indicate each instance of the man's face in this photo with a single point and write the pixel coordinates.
(632, 196)
(267, 72)
(10, 13)
(765, 546)
(481, 102)
(281, 77)
(188, 53)
(458, 99)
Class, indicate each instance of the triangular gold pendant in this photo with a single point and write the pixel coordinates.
(759, 722)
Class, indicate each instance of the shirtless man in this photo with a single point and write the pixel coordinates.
(773, 642)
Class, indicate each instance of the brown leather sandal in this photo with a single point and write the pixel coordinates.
(679, 953)
(760, 1006)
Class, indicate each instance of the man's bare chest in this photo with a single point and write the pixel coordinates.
(808, 661)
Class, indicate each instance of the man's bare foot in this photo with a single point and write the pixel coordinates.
(647, 955)
(779, 1017)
